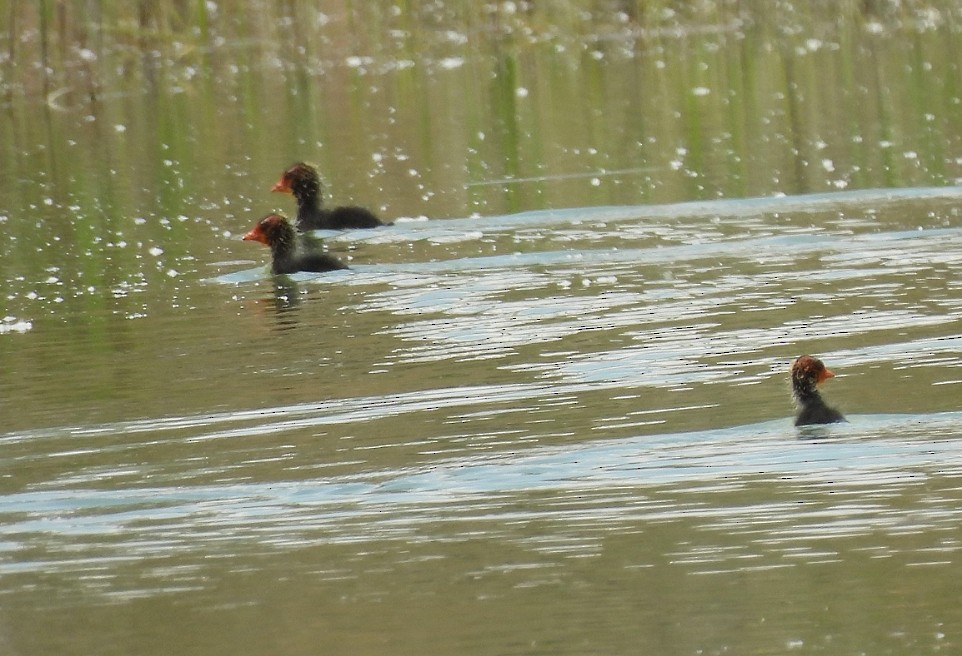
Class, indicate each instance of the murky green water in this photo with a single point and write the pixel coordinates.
(547, 411)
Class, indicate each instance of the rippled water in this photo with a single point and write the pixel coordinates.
(570, 430)
(552, 418)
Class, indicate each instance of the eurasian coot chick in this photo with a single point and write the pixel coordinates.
(302, 180)
(807, 373)
(275, 231)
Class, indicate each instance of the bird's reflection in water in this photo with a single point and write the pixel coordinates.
(287, 301)
(820, 433)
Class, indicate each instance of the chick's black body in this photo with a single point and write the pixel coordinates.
(302, 181)
(807, 372)
(277, 233)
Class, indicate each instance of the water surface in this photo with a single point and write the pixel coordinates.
(547, 411)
